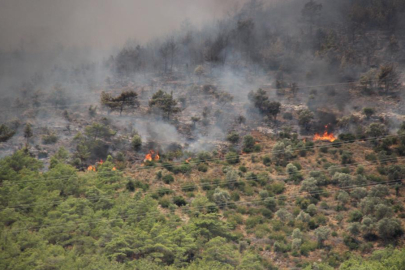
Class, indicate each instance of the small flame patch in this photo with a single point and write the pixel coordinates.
(326, 136)
(151, 156)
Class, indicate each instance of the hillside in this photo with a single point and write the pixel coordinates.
(272, 138)
(319, 208)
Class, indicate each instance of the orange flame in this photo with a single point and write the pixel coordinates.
(149, 156)
(325, 136)
(91, 168)
(114, 169)
(188, 160)
(101, 162)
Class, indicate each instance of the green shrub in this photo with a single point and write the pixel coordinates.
(371, 157)
(281, 247)
(302, 202)
(204, 156)
(347, 137)
(136, 143)
(337, 143)
(212, 208)
(163, 191)
(266, 160)
(368, 112)
(278, 187)
(351, 242)
(179, 201)
(266, 213)
(168, 166)
(248, 144)
(168, 178)
(263, 194)
(233, 137)
(312, 209)
(159, 175)
(270, 203)
(164, 202)
(130, 186)
(235, 196)
(189, 187)
(133, 185)
(49, 139)
(202, 167)
(347, 157)
(232, 157)
(5, 133)
(251, 222)
(324, 149)
(355, 216)
(183, 168)
(206, 184)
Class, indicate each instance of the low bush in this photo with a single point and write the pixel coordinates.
(168, 178)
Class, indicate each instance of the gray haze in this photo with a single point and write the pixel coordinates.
(100, 24)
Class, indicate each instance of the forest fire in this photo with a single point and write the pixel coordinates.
(326, 136)
(91, 168)
(148, 157)
(151, 156)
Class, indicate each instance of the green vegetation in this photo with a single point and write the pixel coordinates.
(214, 182)
(111, 217)
(6, 133)
(165, 103)
(136, 142)
(126, 100)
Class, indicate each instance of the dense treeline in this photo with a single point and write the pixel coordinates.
(292, 37)
(65, 220)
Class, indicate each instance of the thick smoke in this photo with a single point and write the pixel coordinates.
(209, 54)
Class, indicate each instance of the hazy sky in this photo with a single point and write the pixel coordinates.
(42, 24)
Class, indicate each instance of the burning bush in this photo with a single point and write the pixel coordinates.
(326, 136)
(151, 156)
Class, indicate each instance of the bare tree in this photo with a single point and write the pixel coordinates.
(172, 47)
(310, 12)
(165, 53)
